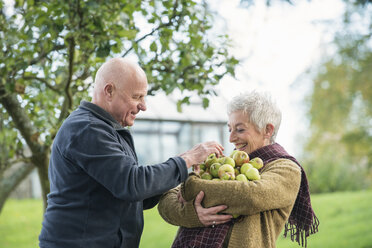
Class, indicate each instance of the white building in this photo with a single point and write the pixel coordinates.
(161, 132)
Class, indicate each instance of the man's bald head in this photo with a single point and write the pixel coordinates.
(118, 71)
(118, 82)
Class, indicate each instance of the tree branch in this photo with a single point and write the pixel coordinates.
(67, 103)
(44, 54)
(162, 25)
(8, 184)
(20, 119)
(43, 80)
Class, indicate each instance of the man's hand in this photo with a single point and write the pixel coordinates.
(210, 216)
(200, 152)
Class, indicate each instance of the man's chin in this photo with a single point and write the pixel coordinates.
(129, 123)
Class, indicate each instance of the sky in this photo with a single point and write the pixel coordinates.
(276, 45)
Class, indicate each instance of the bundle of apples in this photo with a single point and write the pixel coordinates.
(237, 166)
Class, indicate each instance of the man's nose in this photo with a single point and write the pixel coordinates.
(142, 106)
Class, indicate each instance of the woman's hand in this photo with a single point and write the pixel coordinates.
(210, 216)
(180, 198)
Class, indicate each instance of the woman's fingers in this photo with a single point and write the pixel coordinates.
(210, 216)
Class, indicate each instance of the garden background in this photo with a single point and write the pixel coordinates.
(315, 57)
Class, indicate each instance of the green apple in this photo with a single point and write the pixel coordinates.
(206, 176)
(245, 167)
(227, 176)
(211, 159)
(240, 158)
(252, 174)
(237, 171)
(241, 177)
(257, 163)
(235, 215)
(214, 169)
(227, 160)
(226, 172)
(216, 179)
(232, 153)
(202, 166)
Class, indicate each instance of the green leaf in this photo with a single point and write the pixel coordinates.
(179, 106)
(103, 51)
(205, 102)
(153, 46)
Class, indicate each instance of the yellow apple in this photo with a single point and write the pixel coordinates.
(211, 159)
(227, 160)
(242, 178)
(226, 172)
(252, 174)
(206, 176)
(257, 163)
(214, 169)
(245, 167)
(240, 158)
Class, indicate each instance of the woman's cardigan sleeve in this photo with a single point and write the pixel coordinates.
(176, 213)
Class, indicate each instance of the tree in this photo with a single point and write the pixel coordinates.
(339, 151)
(50, 51)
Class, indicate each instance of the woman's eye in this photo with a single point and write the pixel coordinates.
(240, 130)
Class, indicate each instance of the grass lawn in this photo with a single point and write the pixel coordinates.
(345, 222)
(20, 223)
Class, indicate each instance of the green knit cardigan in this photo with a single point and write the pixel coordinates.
(265, 204)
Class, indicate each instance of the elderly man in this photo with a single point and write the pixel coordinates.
(97, 189)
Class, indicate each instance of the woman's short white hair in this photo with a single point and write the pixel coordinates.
(260, 108)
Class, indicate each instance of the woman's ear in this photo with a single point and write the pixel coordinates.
(269, 130)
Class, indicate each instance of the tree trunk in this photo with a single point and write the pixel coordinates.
(44, 182)
(41, 160)
(10, 182)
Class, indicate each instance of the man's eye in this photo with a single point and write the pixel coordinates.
(240, 130)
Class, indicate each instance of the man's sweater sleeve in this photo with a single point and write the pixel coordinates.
(104, 160)
(176, 213)
(277, 188)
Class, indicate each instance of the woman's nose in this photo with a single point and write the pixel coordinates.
(232, 137)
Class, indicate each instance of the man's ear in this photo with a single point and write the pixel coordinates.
(269, 130)
(108, 90)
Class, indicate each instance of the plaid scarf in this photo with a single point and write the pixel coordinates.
(201, 237)
(302, 221)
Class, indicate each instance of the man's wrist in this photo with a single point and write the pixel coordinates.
(187, 160)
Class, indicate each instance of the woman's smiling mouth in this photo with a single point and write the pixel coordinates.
(240, 146)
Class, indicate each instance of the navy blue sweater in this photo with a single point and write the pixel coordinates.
(97, 189)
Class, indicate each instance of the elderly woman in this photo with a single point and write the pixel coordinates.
(280, 199)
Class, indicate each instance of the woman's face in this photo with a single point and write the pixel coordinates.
(244, 135)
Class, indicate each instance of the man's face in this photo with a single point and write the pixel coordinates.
(243, 134)
(128, 101)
